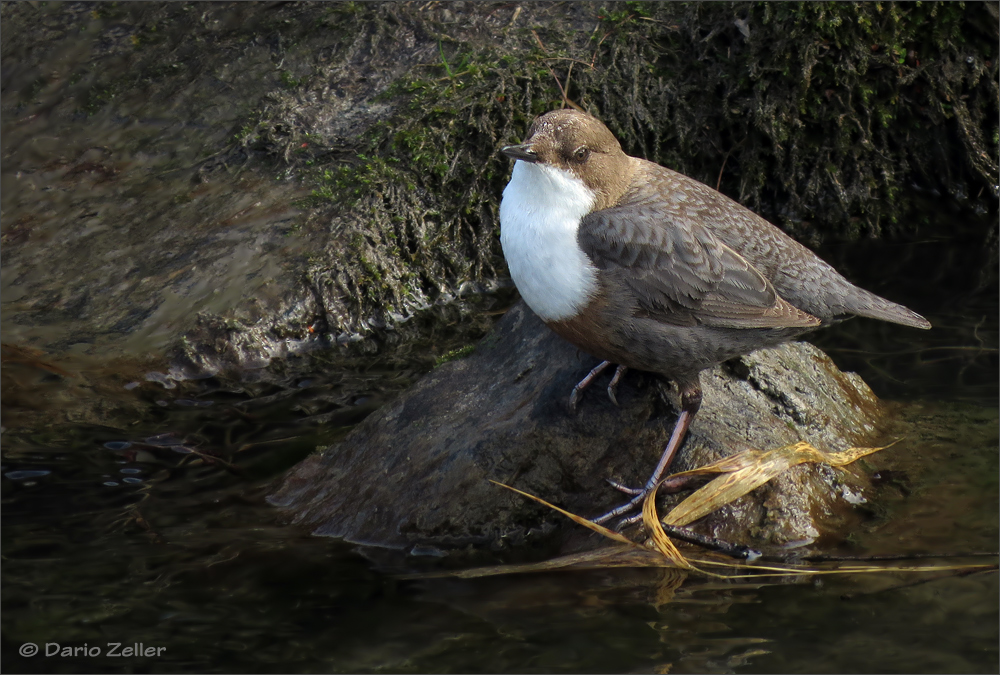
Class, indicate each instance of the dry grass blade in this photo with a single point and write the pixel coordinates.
(749, 470)
(613, 556)
(660, 539)
(741, 473)
(757, 467)
(794, 571)
(600, 529)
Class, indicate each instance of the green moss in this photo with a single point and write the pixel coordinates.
(426, 181)
(454, 354)
(490, 341)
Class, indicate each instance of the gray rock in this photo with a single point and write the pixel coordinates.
(417, 473)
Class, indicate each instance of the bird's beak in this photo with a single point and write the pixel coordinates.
(523, 152)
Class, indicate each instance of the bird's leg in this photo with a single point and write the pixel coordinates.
(574, 398)
(690, 402)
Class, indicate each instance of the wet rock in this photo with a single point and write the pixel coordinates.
(417, 474)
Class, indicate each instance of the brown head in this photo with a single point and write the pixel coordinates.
(581, 144)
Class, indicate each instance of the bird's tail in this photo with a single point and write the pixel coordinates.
(876, 307)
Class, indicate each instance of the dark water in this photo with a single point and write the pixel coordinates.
(112, 537)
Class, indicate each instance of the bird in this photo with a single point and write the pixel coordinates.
(643, 267)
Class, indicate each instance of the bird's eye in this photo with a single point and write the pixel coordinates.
(581, 154)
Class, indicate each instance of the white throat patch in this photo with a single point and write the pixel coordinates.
(539, 216)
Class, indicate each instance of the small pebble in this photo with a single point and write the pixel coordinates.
(26, 473)
(117, 445)
(160, 378)
(427, 551)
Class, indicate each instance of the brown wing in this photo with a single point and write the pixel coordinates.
(679, 272)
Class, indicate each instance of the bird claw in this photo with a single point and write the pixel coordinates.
(613, 385)
(577, 393)
(627, 522)
(574, 397)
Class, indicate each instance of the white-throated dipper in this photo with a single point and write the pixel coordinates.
(646, 268)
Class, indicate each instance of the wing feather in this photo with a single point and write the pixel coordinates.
(679, 272)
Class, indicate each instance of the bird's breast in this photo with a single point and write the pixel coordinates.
(539, 217)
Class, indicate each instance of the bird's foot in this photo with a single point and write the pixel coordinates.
(738, 551)
(638, 495)
(668, 485)
(690, 400)
(577, 393)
